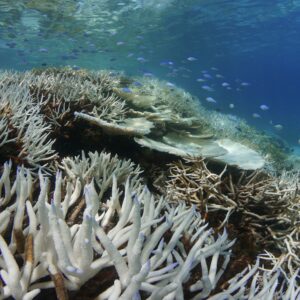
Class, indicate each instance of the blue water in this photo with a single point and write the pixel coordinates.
(253, 45)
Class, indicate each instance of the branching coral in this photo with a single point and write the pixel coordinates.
(195, 184)
(269, 204)
(150, 247)
(263, 284)
(37, 108)
(23, 126)
(154, 247)
(265, 206)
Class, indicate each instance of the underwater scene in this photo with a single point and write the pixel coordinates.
(149, 149)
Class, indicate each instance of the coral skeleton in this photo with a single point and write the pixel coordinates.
(277, 197)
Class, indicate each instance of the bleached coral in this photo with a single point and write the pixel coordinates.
(36, 108)
(97, 218)
(254, 283)
(22, 124)
(149, 262)
(157, 249)
(4, 131)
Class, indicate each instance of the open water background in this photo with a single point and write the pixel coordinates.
(246, 51)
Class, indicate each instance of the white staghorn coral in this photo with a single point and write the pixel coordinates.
(148, 262)
(4, 132)
(36, 108)
(70, 88)
(100, 166)
(23, 124)
(254, 283)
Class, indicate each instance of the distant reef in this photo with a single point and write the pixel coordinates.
(117, 187)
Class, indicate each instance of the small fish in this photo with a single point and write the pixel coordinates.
(219, 76)
(256, 116)
(225, 84)
(200, 80)
(245, 84)
(120, 43)
(43, 50)
(170, 84)
(166, 63)
(141, 59)
(231, 105)
(208, 76)
(126, 90)
(207, 88)
(211, 100)
(130, 54)
(278, 127)
(137, 83)
(191, 58)
(264, 107)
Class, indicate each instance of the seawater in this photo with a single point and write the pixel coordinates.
(245, 52)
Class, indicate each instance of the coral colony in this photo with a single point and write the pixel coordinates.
(127, 188)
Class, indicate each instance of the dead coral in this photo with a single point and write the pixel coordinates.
(263, 205)
(191, 181)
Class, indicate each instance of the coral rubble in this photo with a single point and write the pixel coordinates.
(115, 190)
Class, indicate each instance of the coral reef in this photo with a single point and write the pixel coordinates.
(153, 246)
(87, 213)
(60, 99)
